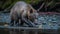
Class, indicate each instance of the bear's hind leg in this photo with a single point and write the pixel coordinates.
(17, 22)
(11, 22)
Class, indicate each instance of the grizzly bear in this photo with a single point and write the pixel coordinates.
(20, 10)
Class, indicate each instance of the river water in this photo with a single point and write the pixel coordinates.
(45, 21)
(4, 17)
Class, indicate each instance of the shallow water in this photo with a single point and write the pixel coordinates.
(4, 17)
(45, 21)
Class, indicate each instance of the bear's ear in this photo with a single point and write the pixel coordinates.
(31, 11)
